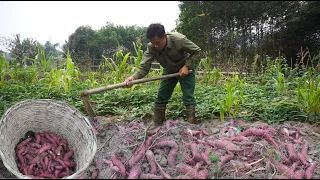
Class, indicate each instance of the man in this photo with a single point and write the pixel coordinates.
(175, 53)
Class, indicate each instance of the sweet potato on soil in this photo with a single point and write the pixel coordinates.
(151, 160)
(205, 155)
(253, 132)
(137, 156)
(299, 174)
(310, 170)
(224, 144)
(270, 140)
(303, 154)
(291, 152)
(118, 163)
(186, 169)
(281, 168)
(301, 132)
(226, 158)
(203, 174)
(135, 172)
(173, 152)
(195, 152)
(150, 176)
(239, 138)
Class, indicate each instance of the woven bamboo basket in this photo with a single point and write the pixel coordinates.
(46, 115)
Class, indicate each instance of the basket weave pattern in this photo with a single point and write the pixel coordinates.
(46, 115)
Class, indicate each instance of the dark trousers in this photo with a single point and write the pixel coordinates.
(187, 86)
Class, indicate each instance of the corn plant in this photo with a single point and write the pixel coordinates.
(139, 52)
(277, 73)
(230, 103)
(55, 78)
(117, 70)
(4, 68)
(308, 94)
(43, 61)
(91, 81)
(30, 74)
(217, 75)
(205, 63)
(63, 78)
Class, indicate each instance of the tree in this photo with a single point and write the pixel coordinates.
(50, 50)
(20, 49)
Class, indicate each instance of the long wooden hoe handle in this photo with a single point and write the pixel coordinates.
(85, 93)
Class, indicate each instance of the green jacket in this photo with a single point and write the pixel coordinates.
(179, 51)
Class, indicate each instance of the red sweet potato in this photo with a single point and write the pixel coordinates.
(63, 174)
(37, 137)
(35, 145)
(172, 156)
(67, 156)
(299, 174)
(239, 164)
(118, 163)
(151, 160)
(270, 140)
(44, 148)
(64, 166)
(224, 144)
(138, 156)
(24, 143)
(135, 172)
(292, 154)
(205, 158)
(303, 154)
(173, 152)
(53, 142)
(150, 176)
(58, 150)
(184, 168)
(295, 165)
(195, 152)
(301, 132)
(281, 168)
(253, 132)
(203, 174)
(38, 158)
(57, 172)
(154, 131)
(47, 175)
(198, 165)
(231, 132)
(310, 170)
(239, 138)
(226, 158)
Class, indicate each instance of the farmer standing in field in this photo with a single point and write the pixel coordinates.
(175, 53)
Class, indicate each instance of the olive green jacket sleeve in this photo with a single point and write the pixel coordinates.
(193, 50)
(145, 65)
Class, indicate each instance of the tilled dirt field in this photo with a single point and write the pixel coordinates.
(209, 150)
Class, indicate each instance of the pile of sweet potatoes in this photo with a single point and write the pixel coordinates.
(180, 151)
(44, 155)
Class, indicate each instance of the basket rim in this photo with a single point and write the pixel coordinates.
(75, 174)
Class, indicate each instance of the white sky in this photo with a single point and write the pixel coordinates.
(56, 20)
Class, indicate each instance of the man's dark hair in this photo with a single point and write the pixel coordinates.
(155, 29)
